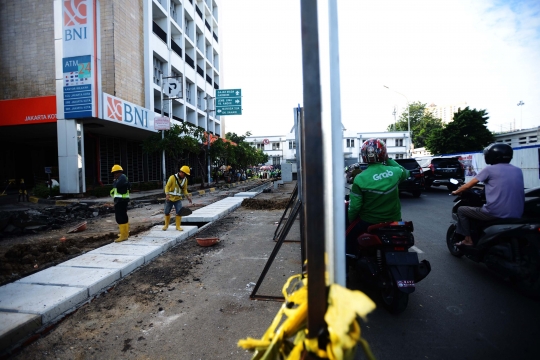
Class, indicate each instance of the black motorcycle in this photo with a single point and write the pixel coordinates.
(510, 247)
(382, 260)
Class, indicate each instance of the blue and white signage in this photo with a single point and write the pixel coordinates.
(80, 58)
(126, 113)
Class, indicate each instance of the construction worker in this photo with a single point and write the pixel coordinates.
(174, 189)
(22, 191)
(120, 193)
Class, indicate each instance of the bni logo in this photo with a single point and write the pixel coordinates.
(75, 12)
(114, 108)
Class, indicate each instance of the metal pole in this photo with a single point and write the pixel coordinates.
(313, 181)
(408, 118)
(208, 133)
(164, 171)
(335, 237)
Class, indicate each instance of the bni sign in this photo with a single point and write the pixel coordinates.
(229, 102)
(80, 76)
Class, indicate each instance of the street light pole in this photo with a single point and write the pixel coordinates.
(521, 103)
(408, 118)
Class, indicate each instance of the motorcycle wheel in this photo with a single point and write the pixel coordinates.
(393, 300)
(531, 262)
(451, 240)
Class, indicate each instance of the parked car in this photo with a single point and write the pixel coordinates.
(415, 183)
(439, 170)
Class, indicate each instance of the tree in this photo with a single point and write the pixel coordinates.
(244, 155)
(422, 123)
(178, 142)
(467, 132)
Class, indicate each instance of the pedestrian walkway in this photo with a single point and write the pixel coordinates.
(44, 297)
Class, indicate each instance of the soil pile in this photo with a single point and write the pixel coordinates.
(265, 204)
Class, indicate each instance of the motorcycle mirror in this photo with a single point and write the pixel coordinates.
(454, 181)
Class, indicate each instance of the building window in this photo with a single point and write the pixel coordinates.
(399, 142)
(292, 144)
(158, 70)
(199, 99)
(276, 161)
(350, 143)
(275, 146)
(188, 93)
(260, 147)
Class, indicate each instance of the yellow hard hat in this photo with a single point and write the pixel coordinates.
(185, 170)
(116, 168)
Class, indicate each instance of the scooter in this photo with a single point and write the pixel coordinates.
(510, 247)
(382, 260)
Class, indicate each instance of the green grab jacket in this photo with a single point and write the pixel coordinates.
(374, 196)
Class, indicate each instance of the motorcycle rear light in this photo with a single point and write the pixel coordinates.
(399, 248)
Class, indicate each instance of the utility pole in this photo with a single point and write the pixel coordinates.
(394, 113)
(174, 88)
(208, 97)
(521, 103)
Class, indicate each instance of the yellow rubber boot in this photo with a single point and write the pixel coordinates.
(178, 223)
(167, 220)
(124, 232)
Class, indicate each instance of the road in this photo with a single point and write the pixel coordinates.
(461, 310)
(193, 303)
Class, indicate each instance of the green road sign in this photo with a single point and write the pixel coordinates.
(229, 110)
(229, 102)
(228, 93)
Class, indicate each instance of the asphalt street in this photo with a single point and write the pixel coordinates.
(461, 310)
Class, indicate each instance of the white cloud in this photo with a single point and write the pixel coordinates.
(483, 52)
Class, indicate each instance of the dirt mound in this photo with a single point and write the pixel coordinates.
(265, 204)
(21, 260)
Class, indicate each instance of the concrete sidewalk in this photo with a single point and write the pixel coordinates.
(41, 299)
(140, 195)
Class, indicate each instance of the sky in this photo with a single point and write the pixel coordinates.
(482, 52)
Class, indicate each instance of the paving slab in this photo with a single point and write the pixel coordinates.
(164, 243)
(94, 280)
(149, 252)
(15, 327)
(124, 263)
(49, 301)
(247, 194)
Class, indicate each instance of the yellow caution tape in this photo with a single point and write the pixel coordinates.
(344, 308)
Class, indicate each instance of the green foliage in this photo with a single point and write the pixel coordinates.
(422, 123)
(467, 132)
(43, 191)
(178, 142)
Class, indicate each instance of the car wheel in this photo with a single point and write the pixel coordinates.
(416, 193)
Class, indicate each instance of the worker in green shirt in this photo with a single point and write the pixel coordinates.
(374, 196)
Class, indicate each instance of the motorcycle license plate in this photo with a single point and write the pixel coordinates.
(405, 283)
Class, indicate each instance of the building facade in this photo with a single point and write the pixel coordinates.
(83, 80)
(445, 112)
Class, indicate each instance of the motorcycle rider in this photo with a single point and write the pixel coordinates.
(504, 191)
(374, 196)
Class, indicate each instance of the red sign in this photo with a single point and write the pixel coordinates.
(266, 141)
(36, 110)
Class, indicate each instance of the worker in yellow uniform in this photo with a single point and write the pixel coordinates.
(120, 194)
(22, 191)
(176, 187)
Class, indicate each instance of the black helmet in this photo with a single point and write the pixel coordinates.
(498, 153)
